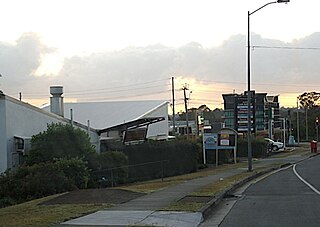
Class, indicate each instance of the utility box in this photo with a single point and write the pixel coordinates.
(313, 145)
(291, 141)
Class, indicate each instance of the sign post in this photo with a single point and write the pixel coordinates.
(225, 139)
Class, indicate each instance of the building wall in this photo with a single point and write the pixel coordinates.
(3, 138)
(161, 128)
(24, 120)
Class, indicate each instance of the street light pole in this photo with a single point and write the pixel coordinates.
(249, 89)
(249, 101)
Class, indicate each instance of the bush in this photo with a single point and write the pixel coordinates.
(43, 179)
(178, 156)
(259, 147)
(111, 166)
(59, 141)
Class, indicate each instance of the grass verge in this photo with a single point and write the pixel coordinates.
(184, 206)
(33, 214)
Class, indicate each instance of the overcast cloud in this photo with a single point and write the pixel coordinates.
(226, 63)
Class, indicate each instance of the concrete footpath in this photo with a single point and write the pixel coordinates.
(144, 211)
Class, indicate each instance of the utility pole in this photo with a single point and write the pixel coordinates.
(173, 112)
(185, 87)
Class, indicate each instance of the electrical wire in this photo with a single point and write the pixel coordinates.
(124, 96)
(285, 47)
(102, 90)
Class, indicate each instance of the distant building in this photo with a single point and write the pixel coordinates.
(200, 120)
(264, 112)
(181, 127)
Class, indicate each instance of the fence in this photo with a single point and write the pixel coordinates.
(129, 173)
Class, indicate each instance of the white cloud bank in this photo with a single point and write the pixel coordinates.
(127, 73)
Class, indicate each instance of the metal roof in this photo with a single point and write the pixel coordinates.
(133, 124)
(108, 114)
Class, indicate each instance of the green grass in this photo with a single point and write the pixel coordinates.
(184, 206)
(33, 214)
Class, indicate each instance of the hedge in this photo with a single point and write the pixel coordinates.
(155, 159)
(259, 147)
(108, 168)
(43, 179)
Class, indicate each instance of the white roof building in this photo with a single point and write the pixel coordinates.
(133, 120)
(103, 115)
(19, 121)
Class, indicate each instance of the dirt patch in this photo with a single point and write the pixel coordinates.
(94, 196)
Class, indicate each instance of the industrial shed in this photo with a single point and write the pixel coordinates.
(113, 118)
(19, 121)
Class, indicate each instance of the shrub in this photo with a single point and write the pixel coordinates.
(178, 156)
(59, 141)
(43, 179)
(110, 165)
(259, 147)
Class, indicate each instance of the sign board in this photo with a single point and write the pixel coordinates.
(226, 138)
(210, 141)
(242, 113)
(135, 135)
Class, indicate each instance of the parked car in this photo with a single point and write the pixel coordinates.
(273, 145)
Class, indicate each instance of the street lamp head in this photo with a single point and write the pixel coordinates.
(283, 1)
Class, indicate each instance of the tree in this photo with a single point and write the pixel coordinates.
(309, 99)
(60, 142)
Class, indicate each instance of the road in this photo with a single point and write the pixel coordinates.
(289, 197)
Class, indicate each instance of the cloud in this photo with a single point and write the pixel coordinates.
(273, 65)
(289, 63)
(19, 61)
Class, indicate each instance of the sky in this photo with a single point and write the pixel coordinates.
(101, 50)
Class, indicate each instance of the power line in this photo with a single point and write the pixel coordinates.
(94, 93)
(123, 86)
(272, 84)
(126, 96)
(286, 47)
(111, 89)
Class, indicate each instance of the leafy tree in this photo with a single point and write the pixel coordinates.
(59, 142)
(309, 99)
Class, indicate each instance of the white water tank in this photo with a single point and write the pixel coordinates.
(56, 101)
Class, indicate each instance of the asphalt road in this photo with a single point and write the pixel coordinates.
(289, 197)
